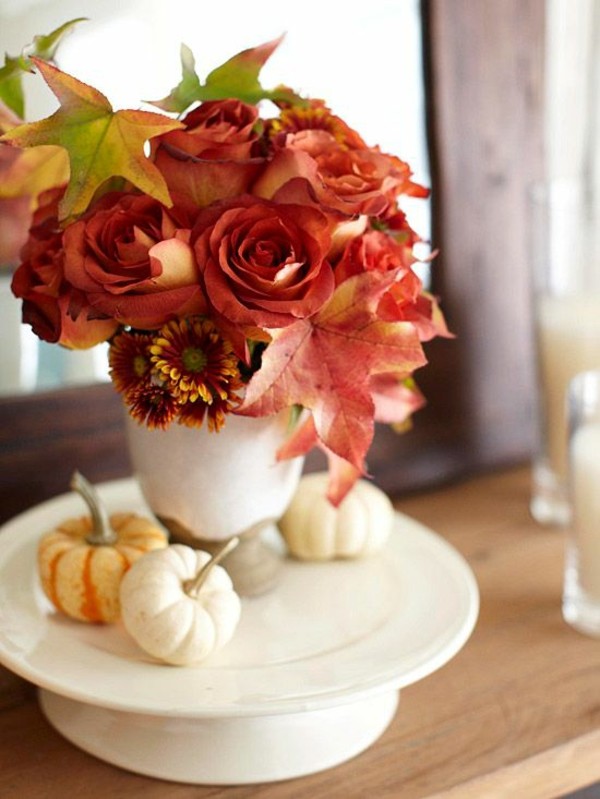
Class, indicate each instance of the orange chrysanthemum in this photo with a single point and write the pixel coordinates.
(152, 404)
(129, 360)
(195, 361)
(316, 116)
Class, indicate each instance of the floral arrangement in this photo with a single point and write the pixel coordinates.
(242, 250)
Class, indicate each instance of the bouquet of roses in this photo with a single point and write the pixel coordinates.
(242, 251)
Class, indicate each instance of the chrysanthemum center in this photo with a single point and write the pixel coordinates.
(194, 359)
(140, 365)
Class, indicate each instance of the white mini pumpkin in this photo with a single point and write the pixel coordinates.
(179, 607)
(314, 529)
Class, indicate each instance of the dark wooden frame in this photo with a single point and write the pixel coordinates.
(483, 69)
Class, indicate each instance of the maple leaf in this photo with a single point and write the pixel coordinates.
(342, 475)
(326, 363)
(395, 401)
(101, 143)
(237, 77)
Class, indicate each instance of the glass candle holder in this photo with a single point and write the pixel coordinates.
(565, 226)
(581, 597)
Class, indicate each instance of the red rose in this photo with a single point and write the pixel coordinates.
(55, 310)
(263, 264)
(215, 157)
(132, 260)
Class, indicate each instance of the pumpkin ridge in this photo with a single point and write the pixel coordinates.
(89, 607)
(125, 562)
(53, 593)
(200, 623)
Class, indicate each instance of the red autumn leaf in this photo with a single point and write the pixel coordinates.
(101, 143)
(325, 363)
(342, 475)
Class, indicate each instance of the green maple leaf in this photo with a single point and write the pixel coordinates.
(326, 363)
(237, 77)
(101, 143)
(11, 85)
(11, 74)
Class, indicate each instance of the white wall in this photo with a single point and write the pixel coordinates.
(363, 59)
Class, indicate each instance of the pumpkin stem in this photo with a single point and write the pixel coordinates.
(102, 532)
(193, 586)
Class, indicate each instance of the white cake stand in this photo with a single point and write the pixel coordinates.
(311, 678)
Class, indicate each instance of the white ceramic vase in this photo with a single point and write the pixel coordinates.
(208, 487)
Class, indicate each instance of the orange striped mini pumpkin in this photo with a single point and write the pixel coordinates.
(82, 561)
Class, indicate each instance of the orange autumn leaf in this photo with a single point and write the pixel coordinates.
(101, 143)
(33, 171)
(326, 363)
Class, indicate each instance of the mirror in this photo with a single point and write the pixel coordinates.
(367, 64)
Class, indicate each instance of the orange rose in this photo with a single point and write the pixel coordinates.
(216, 156)
(349, 180)
(405, 301)
(376, 250)
(263, 264)
(423, 312)
(132, 260)
(217, 129)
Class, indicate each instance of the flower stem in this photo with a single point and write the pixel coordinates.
(102, 532)
(193, 586)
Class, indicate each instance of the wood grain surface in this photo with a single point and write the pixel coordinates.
(515, 714)
(485, 93)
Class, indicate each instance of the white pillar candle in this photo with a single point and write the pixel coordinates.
(585, 488)
(569, 343)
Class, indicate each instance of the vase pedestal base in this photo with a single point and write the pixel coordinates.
(254, 566)
(223, 751)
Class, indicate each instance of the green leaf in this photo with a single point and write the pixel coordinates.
(236, 78)
(11, 86)
(101, 143)
(45, 46)
(184, 94)
(11, 74)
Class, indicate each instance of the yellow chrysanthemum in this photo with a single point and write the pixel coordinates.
(195, 361)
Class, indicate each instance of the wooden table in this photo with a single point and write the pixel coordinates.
(515, 714)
